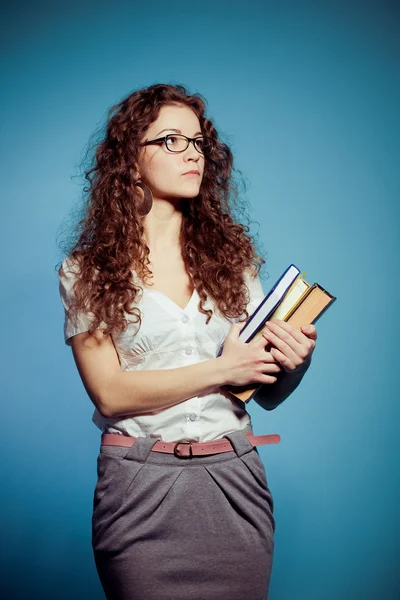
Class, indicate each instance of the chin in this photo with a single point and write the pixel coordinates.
(194, 187)
(190, 191)
(187, 191)
(191, 194)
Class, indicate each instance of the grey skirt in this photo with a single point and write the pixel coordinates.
(172, 528)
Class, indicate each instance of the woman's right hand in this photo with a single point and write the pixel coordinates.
(248, 362)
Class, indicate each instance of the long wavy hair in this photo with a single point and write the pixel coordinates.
(109, 240)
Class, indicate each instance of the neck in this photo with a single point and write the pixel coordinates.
(162, 225)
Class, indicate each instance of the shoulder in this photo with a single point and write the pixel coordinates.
(251, 278)
(69, 266)
(68, 273)
(254, 286)
(250, 273)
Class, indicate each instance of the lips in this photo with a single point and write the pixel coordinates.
(192, 173)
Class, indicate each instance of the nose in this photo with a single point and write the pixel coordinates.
(191, 153)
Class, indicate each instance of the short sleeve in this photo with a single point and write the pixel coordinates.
(256, 292)
(67, 276)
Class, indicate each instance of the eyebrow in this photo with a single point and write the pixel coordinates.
(178, 131)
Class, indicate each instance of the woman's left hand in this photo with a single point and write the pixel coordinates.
(292, 347)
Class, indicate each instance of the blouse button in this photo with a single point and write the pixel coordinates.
(188, 351)
(185, 319)
(192, 417)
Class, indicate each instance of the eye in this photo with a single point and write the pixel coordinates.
(204, 145)
(172, 140)
(176, 143)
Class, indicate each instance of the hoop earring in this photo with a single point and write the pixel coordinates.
(147, 197)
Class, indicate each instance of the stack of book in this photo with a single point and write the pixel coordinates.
(291, 299)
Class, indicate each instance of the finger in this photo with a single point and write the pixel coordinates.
(268, 358)
(292, 339)
(258, 338)
(283, 347)
(236, 329)
(266, 345)
(272, 368)
(259, 341)
(310, 331)
(288, 365)
(267, 378)
(298, 335)
(307, 344)
(262, 344)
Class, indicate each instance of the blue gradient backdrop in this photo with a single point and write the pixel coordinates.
(307, 94)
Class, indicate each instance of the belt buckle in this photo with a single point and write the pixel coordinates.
(187, 442)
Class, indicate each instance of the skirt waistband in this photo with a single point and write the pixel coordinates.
(185, 448)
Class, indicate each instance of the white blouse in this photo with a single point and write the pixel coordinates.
(169, 337)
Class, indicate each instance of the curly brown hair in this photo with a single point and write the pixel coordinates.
(216, 250)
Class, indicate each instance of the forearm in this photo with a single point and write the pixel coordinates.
(136, 392)
(271, 396)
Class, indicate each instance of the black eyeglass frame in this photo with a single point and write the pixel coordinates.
(193, 140)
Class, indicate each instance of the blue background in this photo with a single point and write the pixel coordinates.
(307, 94)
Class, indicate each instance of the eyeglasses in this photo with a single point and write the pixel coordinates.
(178, 143)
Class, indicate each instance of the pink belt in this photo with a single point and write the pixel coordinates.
(188, 447)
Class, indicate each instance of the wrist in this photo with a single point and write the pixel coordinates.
(224, 370)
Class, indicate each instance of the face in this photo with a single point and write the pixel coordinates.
(164, 171)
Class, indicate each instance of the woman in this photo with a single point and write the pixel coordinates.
(160, 276)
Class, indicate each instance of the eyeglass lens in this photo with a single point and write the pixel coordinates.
(178, 143)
